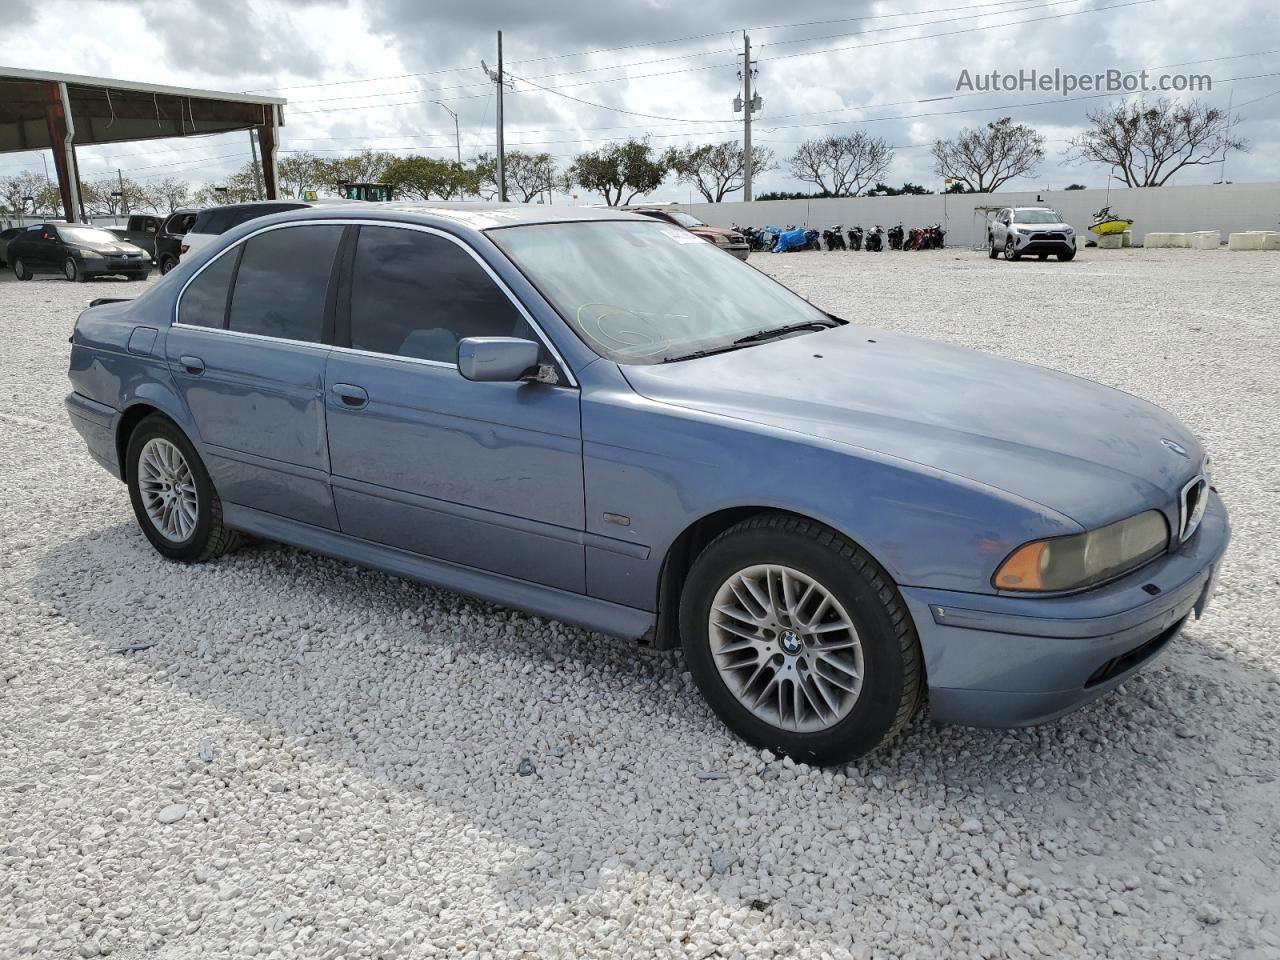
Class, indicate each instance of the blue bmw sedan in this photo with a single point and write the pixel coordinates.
(600, 418)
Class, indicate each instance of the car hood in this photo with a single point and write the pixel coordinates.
(1088, 452)
(1044, 226)
(118, 246)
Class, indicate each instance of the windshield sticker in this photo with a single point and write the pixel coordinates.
(681, 236)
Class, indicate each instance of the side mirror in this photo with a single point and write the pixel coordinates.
(497, 359)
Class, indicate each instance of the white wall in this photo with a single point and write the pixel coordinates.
(1228, 208)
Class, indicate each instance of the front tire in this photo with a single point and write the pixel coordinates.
(1068, 255)
(1011, 251)
(173, 498)
(799, 641)
(21, 270)
(72, 271)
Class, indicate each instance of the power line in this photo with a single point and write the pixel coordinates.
(954, 33)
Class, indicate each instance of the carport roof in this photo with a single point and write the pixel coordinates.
(111, 111)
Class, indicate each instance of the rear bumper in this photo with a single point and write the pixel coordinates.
(96, 423)
(1011, 661)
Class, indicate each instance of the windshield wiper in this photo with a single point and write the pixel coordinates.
(750, 338)
(780, 331)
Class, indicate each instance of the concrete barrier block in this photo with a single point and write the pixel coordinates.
(1253, 240)
(1110, 241)
(1127, 239)
(1180, 240)
(1205, 240)
(1271, 240)
(1156, 240)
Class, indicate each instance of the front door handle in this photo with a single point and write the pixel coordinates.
(351, 395)
(193, 365)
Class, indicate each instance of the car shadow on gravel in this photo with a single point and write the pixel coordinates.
(415, 687)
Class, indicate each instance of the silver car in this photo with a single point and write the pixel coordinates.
(1038, 231)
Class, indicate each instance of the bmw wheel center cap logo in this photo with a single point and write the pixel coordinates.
(1176, 447)
(790, 642)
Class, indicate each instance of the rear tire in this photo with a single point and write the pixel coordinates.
(992, 252)
(161, 461)
(782, 705)
(167, 263)
(1042, 256)
(21, 270)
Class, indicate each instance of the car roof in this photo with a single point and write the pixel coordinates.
(476, 215)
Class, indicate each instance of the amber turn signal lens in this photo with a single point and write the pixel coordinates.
(1022, 570)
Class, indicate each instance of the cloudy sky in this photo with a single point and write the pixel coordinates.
(366, 72)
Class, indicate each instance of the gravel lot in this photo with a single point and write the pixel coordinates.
(281, 755)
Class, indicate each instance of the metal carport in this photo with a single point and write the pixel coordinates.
(58, 111)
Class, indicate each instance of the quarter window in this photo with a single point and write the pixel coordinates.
(415, 294)
(204, 302)
(283, 283)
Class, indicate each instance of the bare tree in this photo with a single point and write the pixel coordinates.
(113, 196)
(842, 165)
(169, 194)
(299, 172)
(716, 169)
(985, 159)
(14, 188)
(1146, 145)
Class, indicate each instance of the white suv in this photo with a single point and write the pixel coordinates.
(1030, 230)
(212, 222)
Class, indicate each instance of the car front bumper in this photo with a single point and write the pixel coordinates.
(1032, 244)
(1013, 661)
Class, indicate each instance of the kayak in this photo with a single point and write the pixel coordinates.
(1113, 225)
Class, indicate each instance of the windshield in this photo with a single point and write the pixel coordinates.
(648, 292)
(686, 219)
(1036, 216)
(87, 235)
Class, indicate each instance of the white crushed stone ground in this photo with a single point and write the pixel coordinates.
(315, 761)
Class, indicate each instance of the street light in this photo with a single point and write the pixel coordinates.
(456, 141)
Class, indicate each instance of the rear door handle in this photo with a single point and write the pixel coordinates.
(351, 395)
(193, 365)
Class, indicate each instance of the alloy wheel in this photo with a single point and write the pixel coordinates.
(785, 648)
(168, 490)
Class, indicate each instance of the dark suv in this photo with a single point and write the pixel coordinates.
(169, 237)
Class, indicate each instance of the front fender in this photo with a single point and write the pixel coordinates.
(663, 468)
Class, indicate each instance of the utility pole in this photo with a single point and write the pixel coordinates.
(748, 103)
(496, 77)
(124, 201)
(457, 142)
(257, 167)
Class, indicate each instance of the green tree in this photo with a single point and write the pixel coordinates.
(427, 178)
(618, 170)
(299, 172)
(907, 189)
(368, 166)
(1076, 186)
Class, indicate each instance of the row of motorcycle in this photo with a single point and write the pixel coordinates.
(792, 238)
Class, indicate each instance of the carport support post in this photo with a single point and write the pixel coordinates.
(62, 133)
(267, 148)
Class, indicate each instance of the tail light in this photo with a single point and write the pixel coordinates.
(184, 247)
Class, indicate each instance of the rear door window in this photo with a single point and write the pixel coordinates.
(282, 285)
(204, 302)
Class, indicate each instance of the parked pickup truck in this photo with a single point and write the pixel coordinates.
(140, 231)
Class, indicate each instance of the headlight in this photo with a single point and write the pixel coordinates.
(721, 240)
(1068, 563)
(90, 254)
